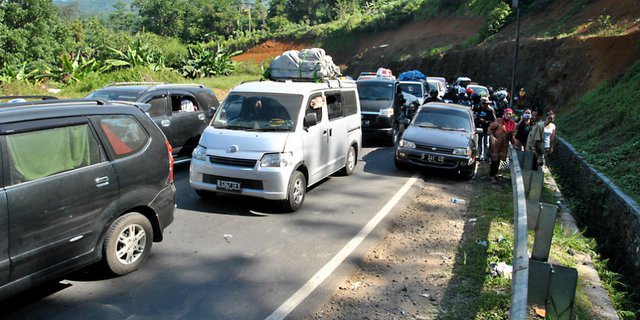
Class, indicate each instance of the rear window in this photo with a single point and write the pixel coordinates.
(124, 134)
(412, 88)
(38, 154)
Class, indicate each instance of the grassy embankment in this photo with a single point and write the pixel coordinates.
(478, 293)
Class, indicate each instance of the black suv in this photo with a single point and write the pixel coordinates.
(182, 111)
(81, 182)
(381, 101)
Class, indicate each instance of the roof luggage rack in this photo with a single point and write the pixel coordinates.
(148, 83)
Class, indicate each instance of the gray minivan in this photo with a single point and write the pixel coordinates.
(272, 140)
(80, 182)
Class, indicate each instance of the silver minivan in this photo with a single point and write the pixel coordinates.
(273, 139)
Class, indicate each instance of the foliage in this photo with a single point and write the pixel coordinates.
(31, 31)
(202, 62)
(137, 54)
(609, 140)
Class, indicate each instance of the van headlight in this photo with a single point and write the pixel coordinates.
(199, 153)
(462, 152)
(407, 144)
(386, 112)
(271, 160)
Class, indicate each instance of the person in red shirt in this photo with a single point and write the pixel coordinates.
(501, 132)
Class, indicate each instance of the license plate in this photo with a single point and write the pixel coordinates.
(228, 185)
(432, 158)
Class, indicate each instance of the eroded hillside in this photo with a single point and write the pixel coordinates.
(566, 48)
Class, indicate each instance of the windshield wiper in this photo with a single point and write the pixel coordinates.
(453, 129)
(428, 126)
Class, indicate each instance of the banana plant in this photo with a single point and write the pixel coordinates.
(137, 54)
(202, 62)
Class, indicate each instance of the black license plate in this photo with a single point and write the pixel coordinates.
(226, 185)
(432, 158)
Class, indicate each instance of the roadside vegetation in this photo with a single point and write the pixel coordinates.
(602, 127)
(478, 291)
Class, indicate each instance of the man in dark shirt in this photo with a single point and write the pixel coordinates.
(485, 116)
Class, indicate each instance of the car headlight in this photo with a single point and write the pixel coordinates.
(277, 159)
(462, 152)
(386, 112)
(199, 153)
(407, 144)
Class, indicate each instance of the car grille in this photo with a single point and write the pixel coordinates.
(434, 149)
(245, 183)
(247, 163)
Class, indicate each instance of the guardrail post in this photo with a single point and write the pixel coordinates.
(544, 232)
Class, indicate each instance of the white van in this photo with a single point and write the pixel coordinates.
(273, 139)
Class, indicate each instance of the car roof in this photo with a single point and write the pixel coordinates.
(292, 87)
(48, 109)
(141, 87)
(444, 105)
(412, 82)
(385, 80)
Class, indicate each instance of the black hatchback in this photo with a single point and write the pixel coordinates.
(182, 111)
(81, 181)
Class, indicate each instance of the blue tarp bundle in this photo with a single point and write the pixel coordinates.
(413, 75)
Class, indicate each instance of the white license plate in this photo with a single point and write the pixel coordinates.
(228, 185)
(432, 158)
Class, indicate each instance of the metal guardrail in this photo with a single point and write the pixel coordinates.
(534, 280)
(520, 278)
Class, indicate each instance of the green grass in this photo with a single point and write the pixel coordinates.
(603, 127)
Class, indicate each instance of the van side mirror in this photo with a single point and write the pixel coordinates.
(310, 120)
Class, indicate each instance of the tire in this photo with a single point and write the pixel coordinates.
(350, 165)
(470, 172)
(394, 134)
(127, 244)
(401, 165)
(296, 192)
(205, 194)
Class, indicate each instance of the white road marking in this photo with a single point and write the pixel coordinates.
(331, 266)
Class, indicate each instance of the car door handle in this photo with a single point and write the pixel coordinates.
(102, 181)
(165, 123)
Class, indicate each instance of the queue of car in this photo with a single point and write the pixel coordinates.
(103, 165)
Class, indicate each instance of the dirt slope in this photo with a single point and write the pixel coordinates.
(554, 71)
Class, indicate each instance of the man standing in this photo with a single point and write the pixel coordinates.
(485, 117)
(535, 141)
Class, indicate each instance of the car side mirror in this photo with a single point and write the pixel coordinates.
(405, 121)
(310, 120)
(212, 111)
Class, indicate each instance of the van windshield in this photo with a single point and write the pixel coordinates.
(375, 91)
(253, 111)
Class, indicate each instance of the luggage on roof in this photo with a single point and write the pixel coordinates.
(413, 75)
(306, 64)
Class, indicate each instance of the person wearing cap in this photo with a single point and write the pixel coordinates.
(485, 116)
(501, 132)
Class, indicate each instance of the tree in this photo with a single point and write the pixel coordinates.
(31, 31)
(122, 19)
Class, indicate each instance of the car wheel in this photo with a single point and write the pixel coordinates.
(470, 172)
(128, 243)
(350, 164)
(296, 192)
(401, 165)
(205, 194)
(395, 135)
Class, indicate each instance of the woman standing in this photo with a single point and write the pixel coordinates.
(522, 129)
(549, 135)
(501, 132)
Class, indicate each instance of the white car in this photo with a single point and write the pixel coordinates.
(273, 140)
(481, 90)
(416, 88)
(437, 85)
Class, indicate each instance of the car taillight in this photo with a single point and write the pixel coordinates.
(170, 150)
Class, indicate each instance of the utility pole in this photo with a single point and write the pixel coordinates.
(515, 51)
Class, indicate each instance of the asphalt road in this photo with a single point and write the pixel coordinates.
(233, 257)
